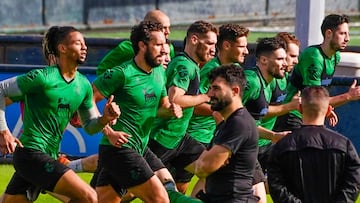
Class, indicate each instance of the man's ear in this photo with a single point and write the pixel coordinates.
(61, 48)
(141, 45)
(236, 90)
(194, 39)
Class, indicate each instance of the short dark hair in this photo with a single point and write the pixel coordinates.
(141, 32)
(267, 45)
(200, 27)
(232, 73)
(332, 21)
(230, 32)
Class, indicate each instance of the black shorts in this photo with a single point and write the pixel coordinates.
(34, 168)
(123, 168)
(258, 174)
(287, 122)
(263, 155)
(177, 159)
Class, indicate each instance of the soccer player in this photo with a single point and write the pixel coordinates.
(138, 86)
(313, 163)
(169, 140)
(45, 119)
(316, 67)
(124, 50)
(229, 162)
(231, 48)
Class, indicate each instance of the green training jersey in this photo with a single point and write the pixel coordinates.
(314, 69)
(138, 95)
(202, 128)
(256, 97)
(120, 54)
(182, 72)
(277, 97)
(50, 102)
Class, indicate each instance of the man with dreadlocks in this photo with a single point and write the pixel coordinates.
(45, 119)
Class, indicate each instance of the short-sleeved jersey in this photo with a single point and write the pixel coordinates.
(256, 97)
(120, 54)
(182, 72)
(314, 69)
(238, 134)
(138, 95)
(277, 97)
(201, 128)
(50, 101)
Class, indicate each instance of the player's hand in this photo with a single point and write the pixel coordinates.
(116, 138)
(279, 135)
(75, 120)
(8, 142)
(176, 110)
(332, 117)
(111, 111)
(295, 102)
(217, 117)
(354, 91)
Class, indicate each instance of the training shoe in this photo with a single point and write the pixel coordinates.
(32, 193)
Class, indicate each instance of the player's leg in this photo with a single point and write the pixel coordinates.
(132, 173)
(259, 183)
(189, 151)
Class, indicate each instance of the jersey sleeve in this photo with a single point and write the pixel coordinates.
(311, 67)
(180, 77)
(252, 89)
(32, 81)
(110, 81)
(88, 100)
(120, 54)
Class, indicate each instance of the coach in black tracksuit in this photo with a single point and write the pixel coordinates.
(313, 163)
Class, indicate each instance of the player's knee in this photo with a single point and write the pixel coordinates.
(88, 195)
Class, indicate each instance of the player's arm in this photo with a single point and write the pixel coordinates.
(8, 88)
(116, 138)
(271, 135)
(177, 95)
(352, 95)
(281, 109)
(210, 161)
(168, 109)
(92, 120)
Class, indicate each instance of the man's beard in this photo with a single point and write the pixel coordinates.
(151, 61)
(220, 104)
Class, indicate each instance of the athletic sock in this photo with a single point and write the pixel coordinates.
(177, 197)
(76, 165)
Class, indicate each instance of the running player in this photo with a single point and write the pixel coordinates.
(45, 120)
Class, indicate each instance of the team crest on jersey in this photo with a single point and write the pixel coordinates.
(108, 74)
(183, 72)
(63, 108)
(149, 96)
(32, 74)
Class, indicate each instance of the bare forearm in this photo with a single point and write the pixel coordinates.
(203, 109)
(190, 100)
(340, 99)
